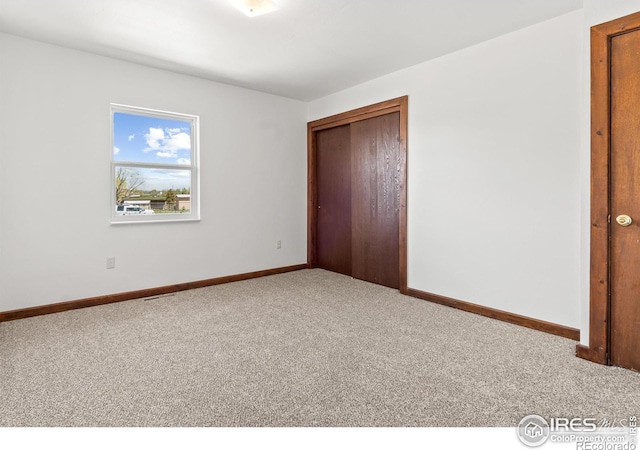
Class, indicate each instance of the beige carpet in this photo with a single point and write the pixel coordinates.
(307, 348)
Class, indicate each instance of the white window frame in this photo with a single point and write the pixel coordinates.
(194, 167)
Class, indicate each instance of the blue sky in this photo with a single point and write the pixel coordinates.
(161, 179)
(151, 139)
(145, 139)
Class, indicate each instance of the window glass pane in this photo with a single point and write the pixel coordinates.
(151, 139)
(160, 190)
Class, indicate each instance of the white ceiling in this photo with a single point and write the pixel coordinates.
(305, 50)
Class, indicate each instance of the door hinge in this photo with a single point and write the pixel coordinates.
(609, 218)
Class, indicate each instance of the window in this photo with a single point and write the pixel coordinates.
(154, 165)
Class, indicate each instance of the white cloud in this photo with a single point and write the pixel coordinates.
(182, 174)
(154, 138)
(131, 136)
(179, 141)
(116, 150)
(185, 161)
(167, 154)
(167, 144)
(163, 179)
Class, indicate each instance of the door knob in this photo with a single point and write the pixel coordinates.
(624, 220)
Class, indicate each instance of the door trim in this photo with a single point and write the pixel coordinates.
(599, 294)
(400, 105)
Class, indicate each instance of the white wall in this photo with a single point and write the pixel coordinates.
(600, 11)
(595, 12)
(494, 169)
(55, 148)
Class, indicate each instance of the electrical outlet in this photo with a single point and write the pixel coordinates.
(111, 262)
(278, 244)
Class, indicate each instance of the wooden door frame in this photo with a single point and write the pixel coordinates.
(399, 105)
(600, 290)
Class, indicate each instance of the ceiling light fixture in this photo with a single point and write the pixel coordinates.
(253, 8)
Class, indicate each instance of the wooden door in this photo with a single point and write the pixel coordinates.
(625, 200)
(357, 193)
(375, 162)
(358, 173)
(334, 199)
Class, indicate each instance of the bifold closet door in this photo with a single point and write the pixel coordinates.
(358, 168)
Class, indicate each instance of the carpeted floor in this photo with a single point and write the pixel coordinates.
(307, 348)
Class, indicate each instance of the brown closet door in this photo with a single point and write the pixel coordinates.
(333, 247)
(375, 193)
